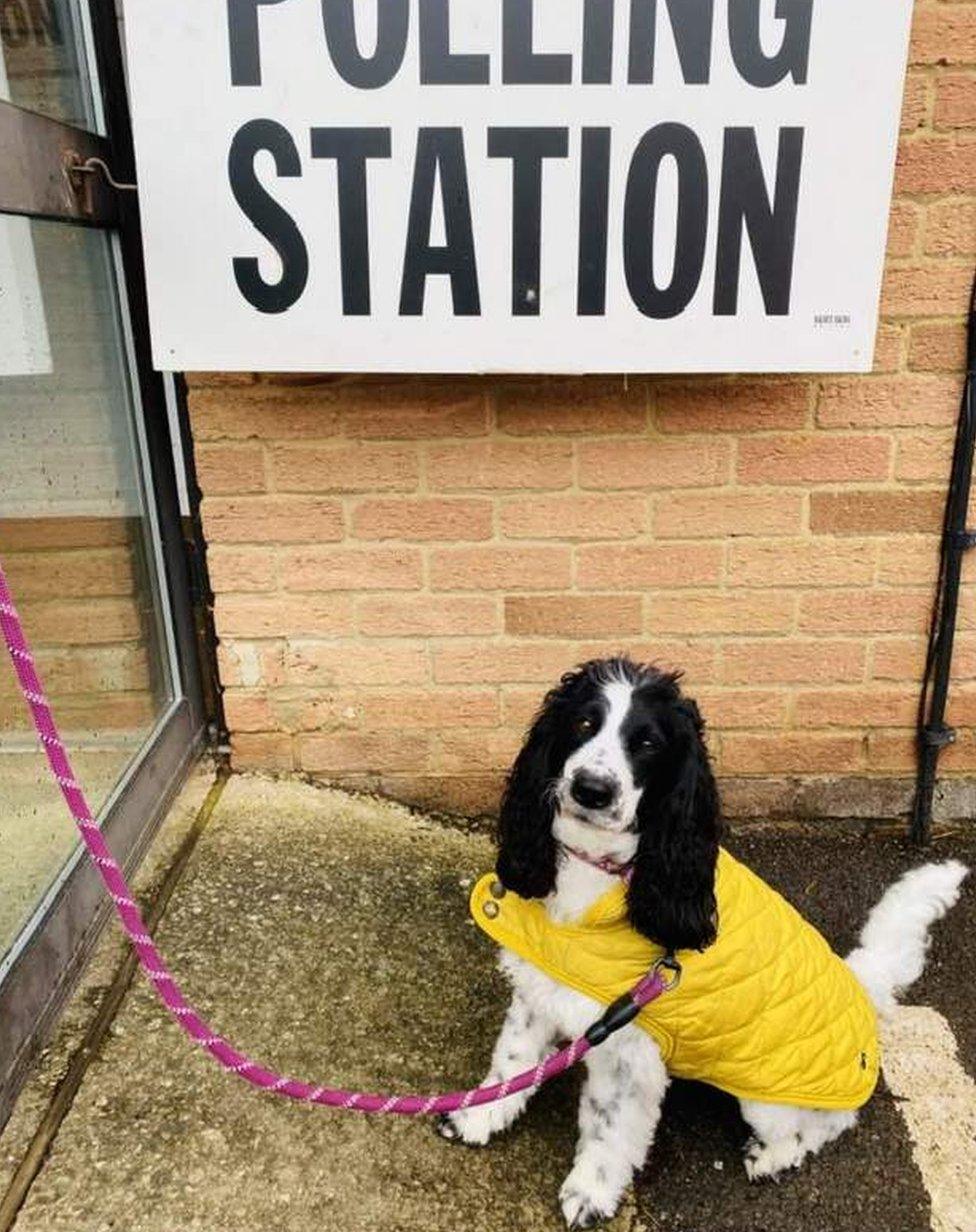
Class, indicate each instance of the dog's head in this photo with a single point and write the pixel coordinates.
(615, 764)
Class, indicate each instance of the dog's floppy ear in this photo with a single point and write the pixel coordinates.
(671, 897)
(526, 845)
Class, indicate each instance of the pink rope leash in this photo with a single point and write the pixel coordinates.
(168, 991)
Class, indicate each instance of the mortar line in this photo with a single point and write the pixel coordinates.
(63, 1098)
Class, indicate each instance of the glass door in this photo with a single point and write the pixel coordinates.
(90, 534)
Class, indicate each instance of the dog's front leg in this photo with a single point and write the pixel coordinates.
(523, 1042)
(619, 1110)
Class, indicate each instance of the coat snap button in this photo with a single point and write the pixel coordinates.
(496, 889)
(491, 909)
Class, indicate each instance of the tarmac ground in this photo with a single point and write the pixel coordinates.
(327, 936)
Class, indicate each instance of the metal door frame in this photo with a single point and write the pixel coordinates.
(37, 155)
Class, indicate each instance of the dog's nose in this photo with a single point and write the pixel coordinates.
(593, 791)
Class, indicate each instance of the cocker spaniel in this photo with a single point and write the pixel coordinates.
(613, 795)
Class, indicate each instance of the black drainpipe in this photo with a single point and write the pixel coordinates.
(933, 731)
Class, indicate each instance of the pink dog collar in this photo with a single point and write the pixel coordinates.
(606, 864)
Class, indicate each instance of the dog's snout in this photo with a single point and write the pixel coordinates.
(593, 791)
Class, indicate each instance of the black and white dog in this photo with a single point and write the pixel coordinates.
(614, 774)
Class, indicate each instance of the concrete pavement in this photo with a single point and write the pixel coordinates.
(328, 935)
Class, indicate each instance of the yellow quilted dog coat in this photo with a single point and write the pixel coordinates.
(768, 1012)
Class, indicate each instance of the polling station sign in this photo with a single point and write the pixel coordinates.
(516, 185)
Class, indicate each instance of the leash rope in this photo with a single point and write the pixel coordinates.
(224, 1053)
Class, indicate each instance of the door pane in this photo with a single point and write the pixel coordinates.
(77, 541)
(43, 65)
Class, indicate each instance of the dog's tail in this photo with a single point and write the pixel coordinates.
(895, 939)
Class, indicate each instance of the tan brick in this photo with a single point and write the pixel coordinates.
(888, 348)
(802, 562)
(655, 463)
(893, 752)
(962, 707)
(858, 708)
(943, 34)
(783, 753)
(898, 658)
(800, 459)
(414, 409)
(271, 519)
(369, 710)
(261, 616)
(876, 512)
(932, 290)
(367, 752)
(574, 517)
(955, 100)
(903, 229)
(70, 575)
(500, 466)
(721, 613)
(207, 380)
(475, 752)
(518, 662)
(241, 569)
(881, 401)
(298, 710)
(573, 405)
(345, 663)
(430, 711)
(936, 165)
(938, 347)
(964, 656)
(356, 467)
(248, 711)
(251, 663)
(429, 616)
(732, 709)
(229, 469)
(661, 565)
(916, 103)
(950, 226)
(864, 611)
(724, 512)
(573, 615)
(313, 568)
(500, 568)
(909, 562)
(793, 662)
(263, 413)
(742, 405)
(925, 458)
(520, 705)
(424, 519)
(262, 751)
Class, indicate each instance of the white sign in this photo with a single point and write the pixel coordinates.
(516, 185)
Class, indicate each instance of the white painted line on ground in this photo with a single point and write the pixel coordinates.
(937, 1098)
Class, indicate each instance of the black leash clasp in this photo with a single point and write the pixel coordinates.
(625, 1009)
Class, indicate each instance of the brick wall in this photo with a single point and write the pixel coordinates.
(401, 566)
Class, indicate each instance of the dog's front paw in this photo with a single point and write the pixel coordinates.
(471, 1126)
(586, 1198)
(767, 1163)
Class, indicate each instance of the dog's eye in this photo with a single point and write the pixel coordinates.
(584, 726)
(647, 743)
